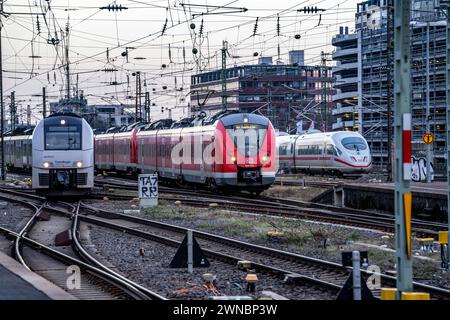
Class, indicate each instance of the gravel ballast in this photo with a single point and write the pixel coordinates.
(151, 270)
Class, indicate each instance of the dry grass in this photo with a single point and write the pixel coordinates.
(294, 193)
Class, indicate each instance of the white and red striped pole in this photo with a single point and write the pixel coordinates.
(407, 153)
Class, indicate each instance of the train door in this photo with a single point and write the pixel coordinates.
(24, 154)
(28, 152)
(207, 157)
(199, 146)
(292, 155)
(158, 153)
(141, 151)
(329, 155)
(324, 157)
(7, 152)
(176, 167)
(19, 156)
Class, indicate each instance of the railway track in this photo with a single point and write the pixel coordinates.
(329, 275)
(96, 281)
(280, 207)
(221, 251)
(305, 270)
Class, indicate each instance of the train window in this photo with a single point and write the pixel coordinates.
(330, 150)
(283, 150)
(63, 137)
(248, 138)
(302, 150)
(354, 143)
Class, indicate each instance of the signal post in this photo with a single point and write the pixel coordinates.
(402, 131)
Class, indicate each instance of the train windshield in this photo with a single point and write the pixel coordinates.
(354, 143)
(62, 137)
(248, 138)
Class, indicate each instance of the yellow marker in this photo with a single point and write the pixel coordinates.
(425, 239)
(388, 293)
(407, 206)
(443, 237)
(251, 277)
(275, 234)
(415, 296)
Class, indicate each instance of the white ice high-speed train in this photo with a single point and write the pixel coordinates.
(63, 155)
(326, 152)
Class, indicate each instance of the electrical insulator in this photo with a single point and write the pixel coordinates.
(164, 27)
(114, 7)
(38, 25)
(255, 28)
(278, 26)
(201, 28)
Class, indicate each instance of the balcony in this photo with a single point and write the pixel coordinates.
(344, 95)
(343, 38)
(339, 53)
(343, 124)
(341, 110)
(345, 66)
(346, 81)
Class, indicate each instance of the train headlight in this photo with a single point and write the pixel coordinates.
(46, 164)
(63, 122)
(79, 164)
(265, 159)
(233, 159)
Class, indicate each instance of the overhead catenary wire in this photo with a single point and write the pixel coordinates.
(182, 59)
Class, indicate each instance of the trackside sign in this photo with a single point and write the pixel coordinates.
(148, 190)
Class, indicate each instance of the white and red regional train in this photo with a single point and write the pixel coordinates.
(59, 151)
(232, 151)
(326, 152)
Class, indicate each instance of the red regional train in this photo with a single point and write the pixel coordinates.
(233, 151)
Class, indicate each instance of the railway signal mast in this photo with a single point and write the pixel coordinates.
(445, 6)
(402, 135)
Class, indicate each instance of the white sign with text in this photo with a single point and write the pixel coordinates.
(148, 190)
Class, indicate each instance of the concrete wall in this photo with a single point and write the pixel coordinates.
(428, 206)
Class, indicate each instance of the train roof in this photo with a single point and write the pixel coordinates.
(229, 117)
(316, 135)
(66, 114)
(21, 130)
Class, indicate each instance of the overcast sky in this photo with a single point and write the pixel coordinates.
(94, 32)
